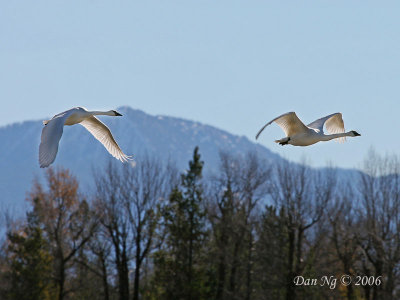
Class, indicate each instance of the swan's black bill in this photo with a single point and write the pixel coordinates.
(356, 133)
(117, 113)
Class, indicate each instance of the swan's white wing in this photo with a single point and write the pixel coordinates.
(319, 124)
(103, 134)
(333, 123)
(289, 123)
(51, 135)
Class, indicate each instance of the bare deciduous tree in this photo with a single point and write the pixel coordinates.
(379, 188)
(128, 201)
(301, 195)
(146, 187)
(114, 220)
(344, 233)
(234, 194)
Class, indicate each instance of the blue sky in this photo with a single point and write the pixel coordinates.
(231, 64)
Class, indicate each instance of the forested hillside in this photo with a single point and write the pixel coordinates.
(249, 230)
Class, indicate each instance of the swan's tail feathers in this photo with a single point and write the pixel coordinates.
(277, 141)
(45, 122)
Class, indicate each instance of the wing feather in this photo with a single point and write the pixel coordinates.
(51, 135)
(289, 122)
(103, 134)
(333, 124)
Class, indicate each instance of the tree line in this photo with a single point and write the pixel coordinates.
(251, 230)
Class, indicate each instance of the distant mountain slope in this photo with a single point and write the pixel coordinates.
(136, 132)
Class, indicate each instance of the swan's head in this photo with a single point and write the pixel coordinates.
(116, 113)
(355, 133)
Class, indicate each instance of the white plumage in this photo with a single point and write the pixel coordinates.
(53, 130)
(298, 134)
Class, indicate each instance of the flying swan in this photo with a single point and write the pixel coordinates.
(298, 134)
(53, 130)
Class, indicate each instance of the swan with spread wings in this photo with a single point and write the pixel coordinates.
(53, 130)
(298, 134)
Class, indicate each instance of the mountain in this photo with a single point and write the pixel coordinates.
(137, 133)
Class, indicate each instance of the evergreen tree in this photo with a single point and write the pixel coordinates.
(179, 265)
(30, 263)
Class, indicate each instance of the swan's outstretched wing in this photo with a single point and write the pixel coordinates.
(103, 134)
(51, 135)
(333, 123)
(289, 123)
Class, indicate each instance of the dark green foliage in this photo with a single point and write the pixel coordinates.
(179, 263)
(272, 249)
(30, 264)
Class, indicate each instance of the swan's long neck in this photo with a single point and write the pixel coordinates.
(328, 137)
(104, 113)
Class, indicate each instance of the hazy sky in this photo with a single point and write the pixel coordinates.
(231, 64)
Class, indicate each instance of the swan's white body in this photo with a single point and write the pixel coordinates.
(53, 130)
(298, 134)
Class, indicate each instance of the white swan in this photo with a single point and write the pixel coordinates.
(298, 134)
(53, 130)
